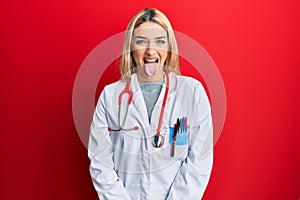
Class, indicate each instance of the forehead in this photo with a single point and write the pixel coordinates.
(149, 30)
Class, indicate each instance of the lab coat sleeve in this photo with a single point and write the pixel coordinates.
(193, 176)
(100, 151)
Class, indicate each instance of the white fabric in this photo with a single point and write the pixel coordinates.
(126, 166)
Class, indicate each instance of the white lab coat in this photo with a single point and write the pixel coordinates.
(126, 166)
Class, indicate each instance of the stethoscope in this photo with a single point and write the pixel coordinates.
(158, 139)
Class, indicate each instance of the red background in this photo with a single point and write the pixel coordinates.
(255, 45)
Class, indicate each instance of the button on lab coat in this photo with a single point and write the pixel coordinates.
(126, 166)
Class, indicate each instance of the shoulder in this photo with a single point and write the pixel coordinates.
(189, 82)
(112, 89)
(113, 86)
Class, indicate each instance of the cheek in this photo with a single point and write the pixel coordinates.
(164, 55)
(137, 56)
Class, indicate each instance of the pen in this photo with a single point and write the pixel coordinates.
(185, 124)
(176, 127)
(180, 126)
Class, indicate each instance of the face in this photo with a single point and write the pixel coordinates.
(149, 50)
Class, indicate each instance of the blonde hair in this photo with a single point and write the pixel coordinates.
(148, 15)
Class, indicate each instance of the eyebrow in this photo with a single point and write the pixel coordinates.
(161, 37)
(157, 38)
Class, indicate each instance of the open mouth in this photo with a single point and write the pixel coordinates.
(150, 61)
(151, 66)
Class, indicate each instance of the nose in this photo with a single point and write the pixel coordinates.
(150, 50)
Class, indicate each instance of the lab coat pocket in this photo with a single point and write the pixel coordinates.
(179, 145)
(181, 138)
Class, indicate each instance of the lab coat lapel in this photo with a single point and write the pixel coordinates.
(158, 105)
(138, 100)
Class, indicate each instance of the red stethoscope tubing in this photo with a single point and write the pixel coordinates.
(162, 111)
(128, 91)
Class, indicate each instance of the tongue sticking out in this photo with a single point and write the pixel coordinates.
(151, 68)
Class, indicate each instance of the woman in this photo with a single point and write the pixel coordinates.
(151, 135)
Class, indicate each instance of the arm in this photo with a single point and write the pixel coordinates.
(100, 151)
(193, 176)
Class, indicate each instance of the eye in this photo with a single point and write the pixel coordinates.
(160, 42)
(141, 42)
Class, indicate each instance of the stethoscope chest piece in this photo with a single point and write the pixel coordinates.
(158, 141)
